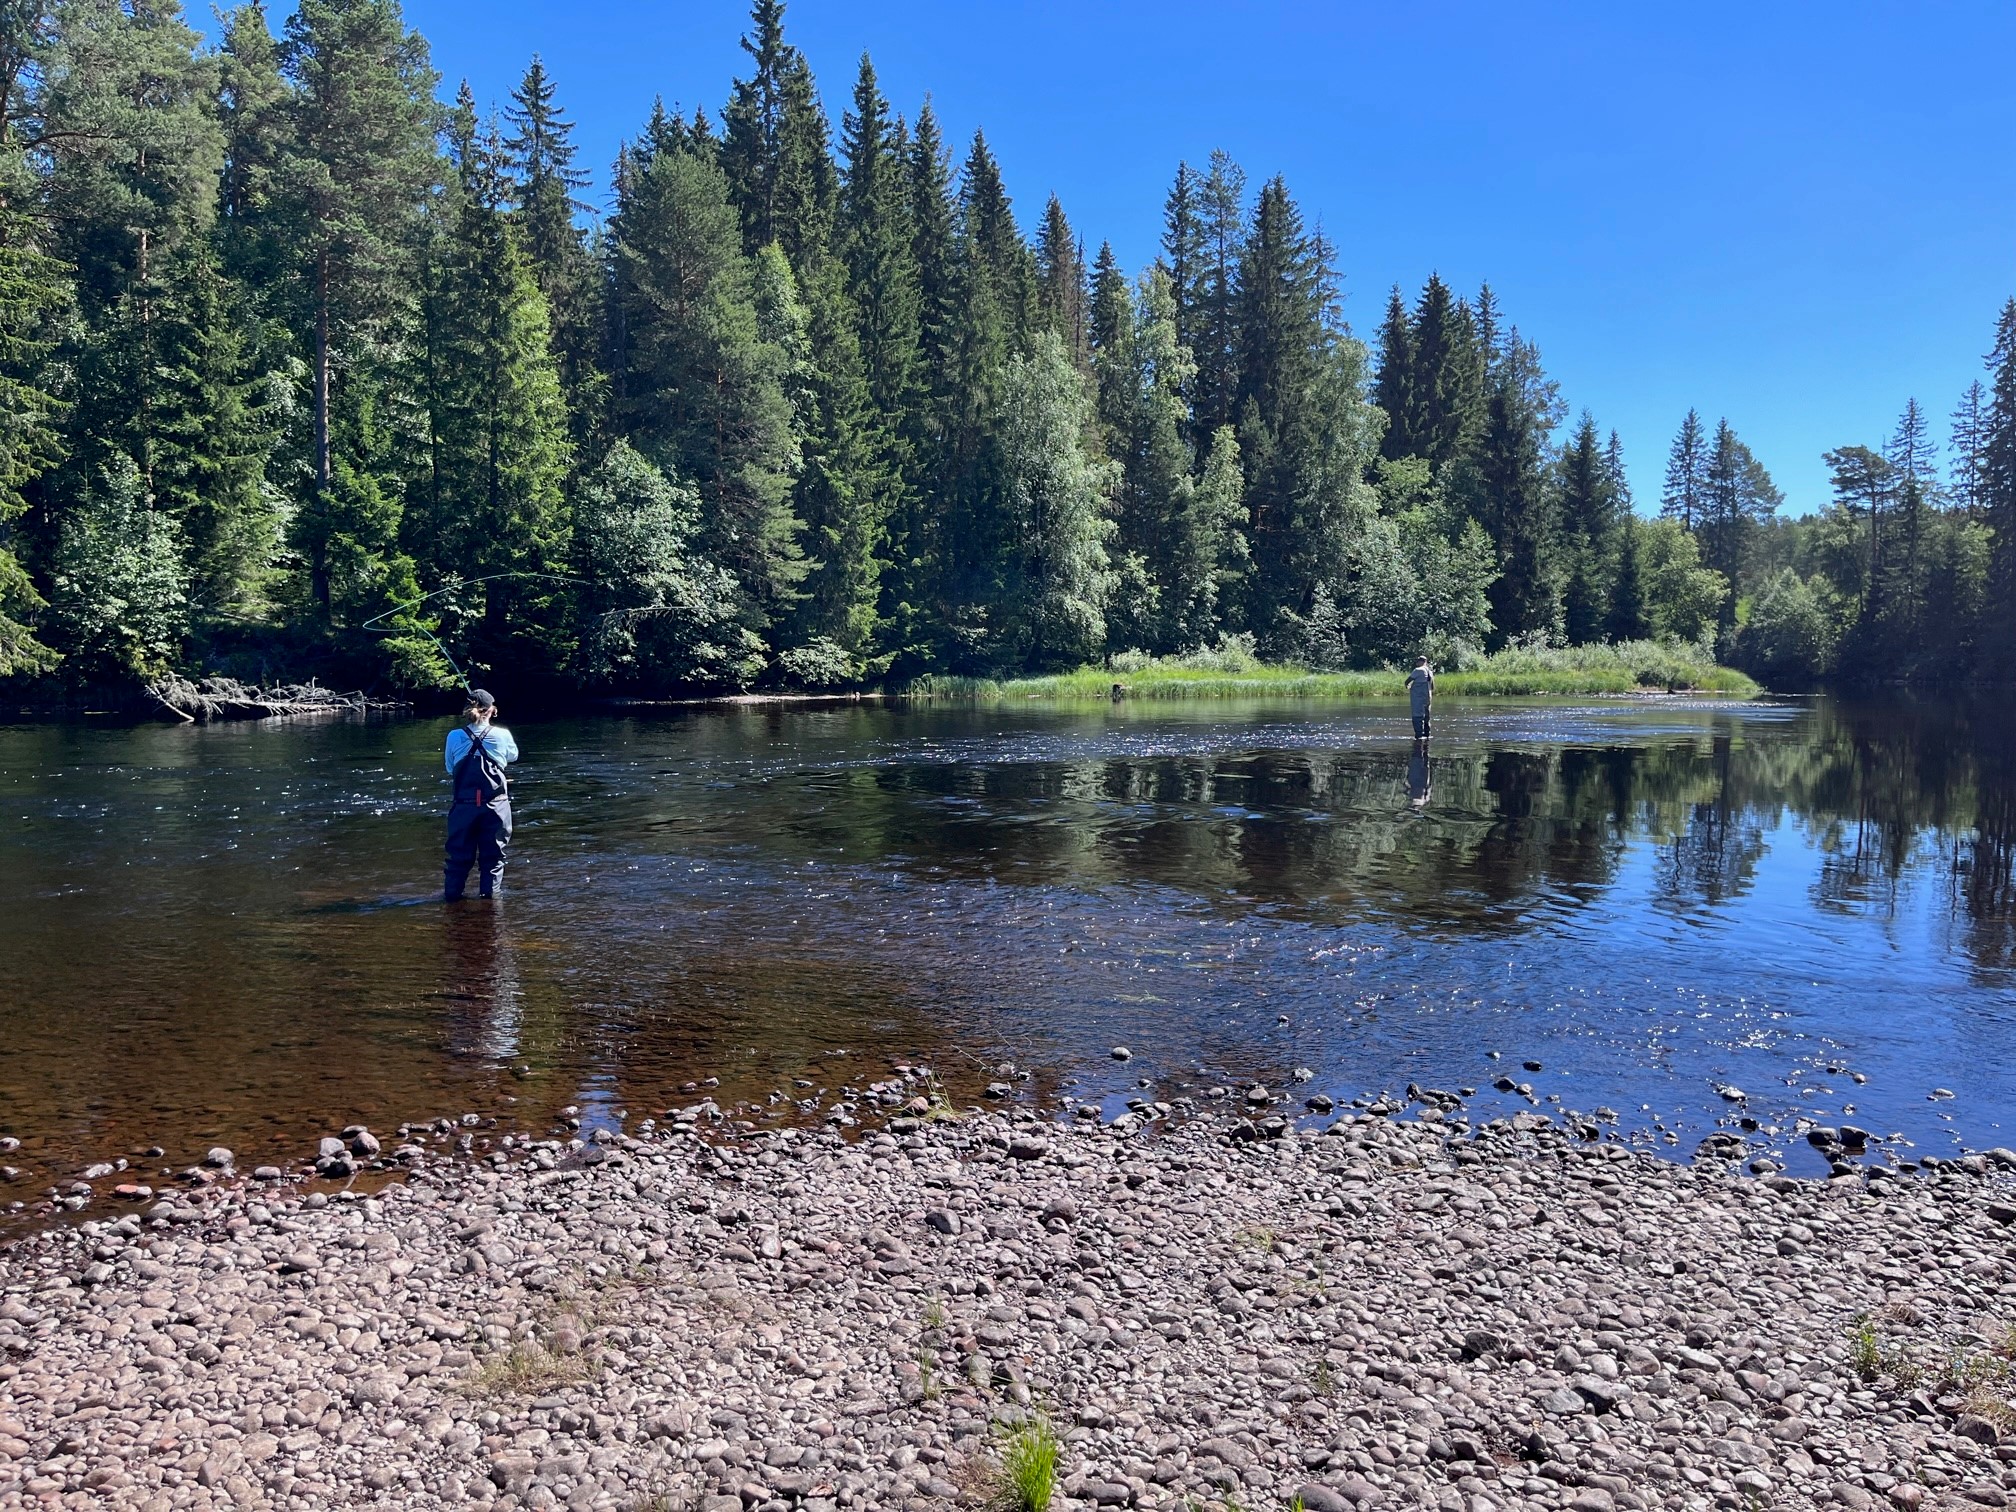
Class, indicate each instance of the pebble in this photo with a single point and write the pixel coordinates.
(1368, 1311)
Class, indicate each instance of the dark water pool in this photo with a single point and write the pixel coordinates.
(229, 935)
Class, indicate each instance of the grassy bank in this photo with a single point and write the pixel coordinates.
(1634, 667)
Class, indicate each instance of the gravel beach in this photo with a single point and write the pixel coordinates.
(1378, 1309)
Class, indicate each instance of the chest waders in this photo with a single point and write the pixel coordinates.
(479, 824)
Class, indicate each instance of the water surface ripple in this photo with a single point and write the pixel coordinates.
(228, 934)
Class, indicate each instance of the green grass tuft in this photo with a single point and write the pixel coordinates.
(1029, 1467)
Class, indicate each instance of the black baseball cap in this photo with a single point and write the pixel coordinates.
(479, 698)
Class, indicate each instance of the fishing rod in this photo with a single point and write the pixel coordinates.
(376, 626)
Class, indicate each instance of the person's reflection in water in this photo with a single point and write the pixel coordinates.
(1418, 790)
(486, 1007)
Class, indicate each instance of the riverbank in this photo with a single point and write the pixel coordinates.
(1576, 671)
(1375, 1311)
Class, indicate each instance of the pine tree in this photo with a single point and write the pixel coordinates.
(1864, 483)
(1685, 498)
(1060, 279)
(1970, 431)
(134, 152)
(359, 160)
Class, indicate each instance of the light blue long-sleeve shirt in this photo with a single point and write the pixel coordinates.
(496, 740)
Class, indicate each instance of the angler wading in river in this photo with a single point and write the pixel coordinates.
(479, 821)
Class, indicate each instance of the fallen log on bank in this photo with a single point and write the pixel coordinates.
(215, 698)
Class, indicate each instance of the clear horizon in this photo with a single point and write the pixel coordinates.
(1794, 219)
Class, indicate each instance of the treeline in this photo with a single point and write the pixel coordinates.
(301, 369)
(1909, 573)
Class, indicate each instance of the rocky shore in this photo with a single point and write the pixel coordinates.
(1350, 1312)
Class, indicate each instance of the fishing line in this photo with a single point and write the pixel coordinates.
(375, 626)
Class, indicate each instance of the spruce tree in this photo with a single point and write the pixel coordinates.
(703, 392)
(1183, 255)
(999, 266)
(217, 427)
(1114, 376)
(1392, 384)
(1686, 494)
(253, 112)
(1510, 499)
(1969, 435)
(878, 246)
(776, 151)
(1911, 449)
(1998, 492)
(1144, 370)
(1737, 496)
(1590, 526)
(1620, 482)
(848, 489)
(35, 296)
(492, 495)
(929, 426)
(359, 160)
(1215, 342)
(539, 158)
(1060, 284)
(1306, 432)
(1445, 397)
(1630, 616)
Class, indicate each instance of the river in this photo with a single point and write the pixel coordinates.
(229, 934)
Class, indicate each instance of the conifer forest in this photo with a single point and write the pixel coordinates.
(308, 364)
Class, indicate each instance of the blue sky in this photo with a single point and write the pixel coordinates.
(1795, 215)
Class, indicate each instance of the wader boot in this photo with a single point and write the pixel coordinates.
(479, 826)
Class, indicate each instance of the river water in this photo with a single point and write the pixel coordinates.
(230, 935)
